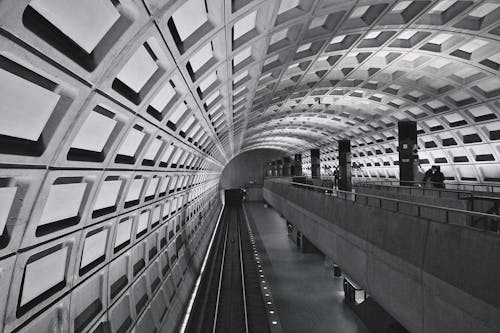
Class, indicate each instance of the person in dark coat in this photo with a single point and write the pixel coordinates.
(336, 177)
(428, 175)
(437, 178)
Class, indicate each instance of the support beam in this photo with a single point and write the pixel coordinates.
(345, 183)
(286, 166)
(298, 165)
(315, 164)
(408, 151)
(274, 170)
(268, 169)
(279, 168)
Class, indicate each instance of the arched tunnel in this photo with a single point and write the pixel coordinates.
(122, 121)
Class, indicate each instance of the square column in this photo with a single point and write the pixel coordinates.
(286, 167)
(315, 164)
(408, 151)
(279, 167)
(345, 183)
(298, 165)
(274, 170)
(268, 169)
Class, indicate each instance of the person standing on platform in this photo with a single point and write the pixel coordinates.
(336, 177)
(418, 174)
(428, 175)
(437, 178)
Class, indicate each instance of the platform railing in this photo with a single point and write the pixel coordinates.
(448, 186)
(477, 220)
(462, 190)
(417, 189)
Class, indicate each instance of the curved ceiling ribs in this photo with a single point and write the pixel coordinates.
(309, 72)
(118, 117)
(358, 67)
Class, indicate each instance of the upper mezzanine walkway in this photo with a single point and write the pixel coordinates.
(425, 264)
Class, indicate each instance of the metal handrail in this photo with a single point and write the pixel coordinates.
(484, 197)
(489, 188)
(494, 188)
(352, 196)
(380, 183)
(439, 191)
(486, 188)
(457, 186)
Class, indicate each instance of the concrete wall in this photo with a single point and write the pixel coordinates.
(432, 277)
(254, 193)
(98, 191)
(247, 167)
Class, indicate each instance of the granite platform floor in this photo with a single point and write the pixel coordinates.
(308, 299)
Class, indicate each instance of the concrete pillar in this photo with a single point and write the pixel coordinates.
(408, 151)
(298, 165)
(286, 166)
(345, 183)
(331, 265)
(279, 167)
(305, 244)
(315, 164)
(274, 169)
(268, 169)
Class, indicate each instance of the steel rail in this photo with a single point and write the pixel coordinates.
(220, 280)
(242, 273)
(194, 294)
(222, 270)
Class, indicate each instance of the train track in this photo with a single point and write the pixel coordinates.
(230, 299)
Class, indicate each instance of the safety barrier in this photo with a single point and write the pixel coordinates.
(428, 186)
(431, 212)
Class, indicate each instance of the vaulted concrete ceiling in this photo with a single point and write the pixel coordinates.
(299, 74)
(117, 118)
(227, 76)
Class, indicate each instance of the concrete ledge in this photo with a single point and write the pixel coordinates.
(415, 268)
(420, 195)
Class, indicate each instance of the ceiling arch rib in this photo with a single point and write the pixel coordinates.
(284, 138)
(289, 131)
(320, 128)
(293, 141)
(286, 147)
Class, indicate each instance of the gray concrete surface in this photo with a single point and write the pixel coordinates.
(307, 296)
(431, 276)
(247, 168)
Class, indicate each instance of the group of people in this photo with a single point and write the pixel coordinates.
(431, 178)
(434, 177)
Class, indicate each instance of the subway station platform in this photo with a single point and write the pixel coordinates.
(306, 295)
